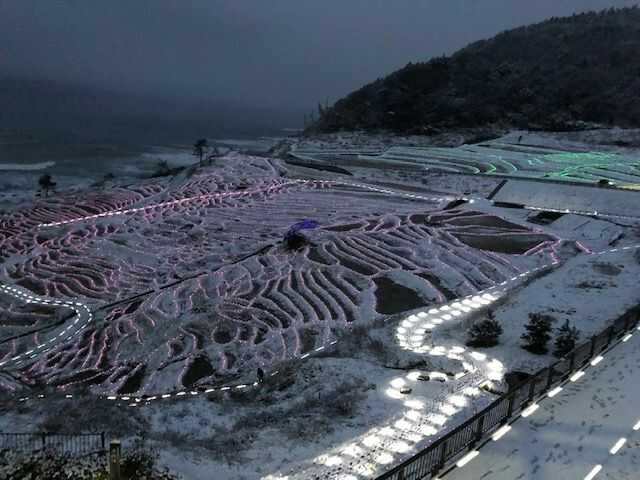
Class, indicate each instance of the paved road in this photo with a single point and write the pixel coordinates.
(575, 431)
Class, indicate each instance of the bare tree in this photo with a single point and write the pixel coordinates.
(200, 148)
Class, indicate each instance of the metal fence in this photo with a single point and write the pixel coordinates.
(453, 445)
(70, 444)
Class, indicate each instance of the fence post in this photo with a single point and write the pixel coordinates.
(532, 388)
(479, 428)
(572, 360)
(610, 336)
(512, 399)
(114, 460)
(102, 440)
(43, 437)
(593, 346)
(550, 377)
(443, 458)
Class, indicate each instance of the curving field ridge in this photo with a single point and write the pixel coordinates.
(190, 284)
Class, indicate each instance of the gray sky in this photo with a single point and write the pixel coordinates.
(270, 53)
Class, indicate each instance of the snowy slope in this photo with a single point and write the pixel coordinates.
(573, 432)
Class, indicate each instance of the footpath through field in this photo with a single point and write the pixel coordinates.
(588, 430)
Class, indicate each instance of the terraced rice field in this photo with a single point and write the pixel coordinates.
(497, 158)
(187, 283)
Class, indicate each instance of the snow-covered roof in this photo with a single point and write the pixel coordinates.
(575, 198)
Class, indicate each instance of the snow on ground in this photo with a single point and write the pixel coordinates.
(606, 138)
(587, 290)
(257, 146)
(607, 201)
(575, 431)
(341, 415)
(433, 182)
(19, 182)
(158, 248)
(516, 155)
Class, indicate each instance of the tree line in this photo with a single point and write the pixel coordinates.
(487, 332)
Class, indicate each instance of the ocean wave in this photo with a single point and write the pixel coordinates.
(26, 166)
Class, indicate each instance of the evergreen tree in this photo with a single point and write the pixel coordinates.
(566, 339)
(46, 183)
(485, 333)
(538, 333)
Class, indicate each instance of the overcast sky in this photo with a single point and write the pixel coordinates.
(286, 53)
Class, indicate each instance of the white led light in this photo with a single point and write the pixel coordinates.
(415, 404)
(384, 458)
(371, 441)
(403, 425)
(437, 419)
(554, 392)
(400, 447)
(478, 355)
(398, 382)
(448, 409)
(594, 471)
(353, 450)
(413, 415)
(457, 400)
(501, 432)
(576, 376)
(530, 410)
(331, 461)
(393, 393)
(617, 446)
(471, 391)
(467, 458)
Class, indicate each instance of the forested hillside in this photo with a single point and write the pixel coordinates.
(554, 75)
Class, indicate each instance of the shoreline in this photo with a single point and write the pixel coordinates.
(26, 167)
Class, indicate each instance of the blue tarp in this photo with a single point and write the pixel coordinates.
(306, 224)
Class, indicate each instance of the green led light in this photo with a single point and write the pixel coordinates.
(580, 157)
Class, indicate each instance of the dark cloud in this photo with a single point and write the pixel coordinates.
(270, 53)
